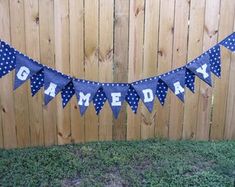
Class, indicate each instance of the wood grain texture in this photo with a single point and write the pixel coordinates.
(195, 39)
(46, 20)
(136, 36)
(76, 64)
(166, 31)
(9, 139)
(106, 63)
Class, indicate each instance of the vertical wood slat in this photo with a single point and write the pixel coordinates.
(197, 9)
(205, 91)
(6, 95)
(76, 64)
(61, 16)
(121, 39)
(46, 21)
(136, 34)
(150, 62)
(164, 62)
(178, 59)
(91, 63)
(32, 49)
(221, 85)
(106, 63)
(21, 94)
(229, 129)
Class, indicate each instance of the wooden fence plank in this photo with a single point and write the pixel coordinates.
(21, 94)
(136, 36)
(179, 59)
(197, 9)
(229, 131)
(76, 64)
(106, 63)
(91, 63)
(164, 61)
(121, 29)
(6, 94)
(61, 16)
(205, 91)
(32, 49)
(221, 85)
(46, 20)
(150, 62)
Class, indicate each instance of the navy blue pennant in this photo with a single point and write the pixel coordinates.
(215, 60)
(229, 42)
(85, 91)
(146, 90)
(201, 68)
(54, 82)
(161, 91)
(67, 93)
(175, 80)
(190, 80)
(7, 58)
(25, 68)
(132, 98)
(99, 99)
(115, 93)
(37, 82)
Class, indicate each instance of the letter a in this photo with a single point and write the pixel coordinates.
(51, 89)
(178, 88)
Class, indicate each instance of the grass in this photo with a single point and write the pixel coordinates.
(137, 163)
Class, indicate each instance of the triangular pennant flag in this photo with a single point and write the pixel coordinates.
(54, 82)
(201, 68)
(25, 68)
(229, 42)
(37, 81)
(146, 90)
(115, 93)
(189, 80)
(67, 93)
(215, 60)
(85, 91)
(161, 91)
(7, 58)
(132, 98)
(175, 80)
(99, 99)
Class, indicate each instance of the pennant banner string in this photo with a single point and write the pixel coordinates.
(86, 91)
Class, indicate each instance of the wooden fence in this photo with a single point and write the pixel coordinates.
(117, 41)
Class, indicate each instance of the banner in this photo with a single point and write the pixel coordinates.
(88, 92)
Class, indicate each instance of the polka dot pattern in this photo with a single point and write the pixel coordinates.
(229, 42)
(99, 99)
(7, 58)
(161, 91)
(132, 99)
(215, 60)
(67, 93)
(189, 80)
(36, 82)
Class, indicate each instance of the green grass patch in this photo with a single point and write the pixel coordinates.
(135, 163)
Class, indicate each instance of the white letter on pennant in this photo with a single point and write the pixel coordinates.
(23, 73)
(148, 95)
(115, 99)
(178, 88)
(51, 89)
(85, 98)
(202, 70)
